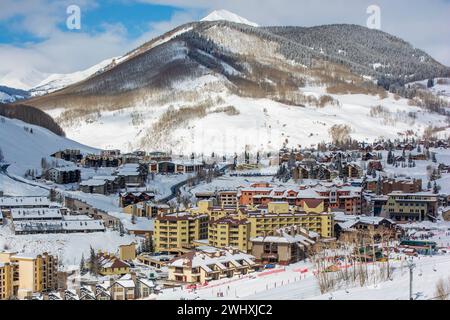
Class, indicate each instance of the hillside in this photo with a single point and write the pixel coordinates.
(206, 78)
(24, 145)
(31, 115)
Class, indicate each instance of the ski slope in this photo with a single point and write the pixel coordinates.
(24, 145)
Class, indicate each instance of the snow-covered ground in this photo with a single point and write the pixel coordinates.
(68, 247)
(261, 124)
(293, 283)
(24, 145)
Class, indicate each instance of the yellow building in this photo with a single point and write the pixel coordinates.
(176, 231)
(127, 251)
(411, 206)
(6, 281)
(111, 265)
(31, 273)
(146, 209)
(203, 266)
(265, 220)
(233, 227)
(229, 232)
(213, 212)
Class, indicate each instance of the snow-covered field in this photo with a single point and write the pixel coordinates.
(290, 283)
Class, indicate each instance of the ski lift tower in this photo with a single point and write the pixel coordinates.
(411, 265)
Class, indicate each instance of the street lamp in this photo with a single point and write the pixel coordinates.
(411, 265)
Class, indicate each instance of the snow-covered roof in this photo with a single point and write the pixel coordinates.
(346, 221)
(36, 213)
(93, 183)
(8, 202)
(58, 225)
(204, 260)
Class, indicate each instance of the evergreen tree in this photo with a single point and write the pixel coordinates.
(93, 262)
(433, 157)
(379, 186)
(82, 265)
(435, 188)
(121, 229)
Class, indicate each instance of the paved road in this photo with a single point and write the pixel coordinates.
(176, 188)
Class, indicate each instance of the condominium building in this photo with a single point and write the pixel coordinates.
(233, 227)
(31, 273)
(176, 231)
(264, 220)
(6, 281)
(345, 197)
(229, 232)
(411, 206)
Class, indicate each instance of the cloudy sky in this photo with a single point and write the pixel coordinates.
(34, 34)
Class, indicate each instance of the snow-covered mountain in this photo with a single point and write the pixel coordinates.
(226, 15)
(57, 81)
(207, 86)
(9, 95)
(22, 78)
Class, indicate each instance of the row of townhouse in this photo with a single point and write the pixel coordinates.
(344, 197)
(21, 275)
(233, 227)
(8, 203)
(127, 287)
(207, 263)
(174, 167)
(388, 185)
(312, 169)
(113, 158)
(37, 215)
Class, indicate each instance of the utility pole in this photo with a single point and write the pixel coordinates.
(411, 266)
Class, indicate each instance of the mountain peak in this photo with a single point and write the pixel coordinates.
(228, 16)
